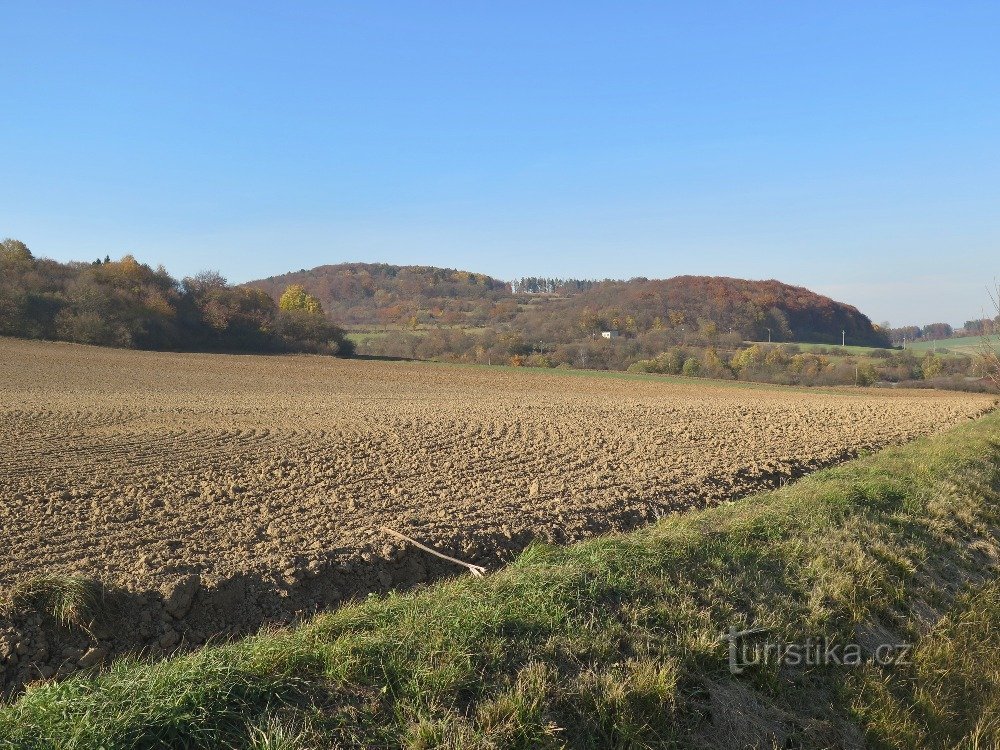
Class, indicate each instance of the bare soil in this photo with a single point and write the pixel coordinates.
(213, 494)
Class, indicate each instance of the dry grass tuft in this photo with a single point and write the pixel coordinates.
(74, 601)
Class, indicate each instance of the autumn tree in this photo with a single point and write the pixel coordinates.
(989, 348)
(303, 326)
(931, 366)
(15, 260)
(981, 326)
(295, 297)
(123, 303)
(745, 358)
(712, 365)
(691, 367)
(14, 252)
(227, 317)
(937, 331)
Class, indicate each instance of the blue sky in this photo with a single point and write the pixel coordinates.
(851, 147)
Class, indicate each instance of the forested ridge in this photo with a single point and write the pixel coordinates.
(382, 294)
(562, 310)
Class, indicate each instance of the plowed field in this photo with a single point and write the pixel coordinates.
(141, 469)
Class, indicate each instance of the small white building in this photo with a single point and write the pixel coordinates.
(609, 334)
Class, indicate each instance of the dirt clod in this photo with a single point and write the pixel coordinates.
(179, 595)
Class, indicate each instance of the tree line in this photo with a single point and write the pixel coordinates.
(721, 357)
(942, 331)
(129, 304)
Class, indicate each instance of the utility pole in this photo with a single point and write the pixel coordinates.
(769, 335)
(843, 337)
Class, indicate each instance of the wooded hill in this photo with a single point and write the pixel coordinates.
(361, 294)
(128, 304)
(380, 294)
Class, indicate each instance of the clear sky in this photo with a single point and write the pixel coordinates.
(851, 147)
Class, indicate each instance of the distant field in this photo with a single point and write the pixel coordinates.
(967, 345)
(573, 372)
(806, 347)
(360, 335)
(270, 476)
(970, 345)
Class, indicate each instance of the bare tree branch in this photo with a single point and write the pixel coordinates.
(989, 346)
(476, 570)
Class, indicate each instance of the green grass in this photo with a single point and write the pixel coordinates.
(969, 345)
(833, 348)
(615, 642)
(359, 338)
(360, 335)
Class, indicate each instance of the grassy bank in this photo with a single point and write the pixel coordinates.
(616, 642)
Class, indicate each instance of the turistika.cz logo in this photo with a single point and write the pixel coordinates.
(750, 648)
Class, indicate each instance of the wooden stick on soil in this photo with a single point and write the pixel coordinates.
(476, 570)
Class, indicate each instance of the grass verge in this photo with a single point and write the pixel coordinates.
(616, 642)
